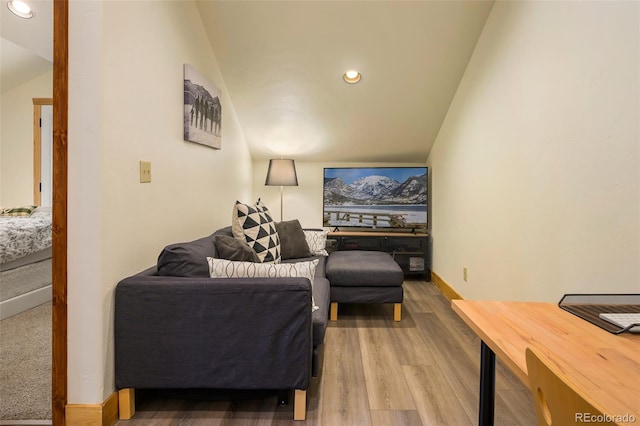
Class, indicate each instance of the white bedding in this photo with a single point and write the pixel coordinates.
(20, 236)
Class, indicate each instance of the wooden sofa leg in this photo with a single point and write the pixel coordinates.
(333, 313)
(397, 311)
(300, 404)
(126, 403)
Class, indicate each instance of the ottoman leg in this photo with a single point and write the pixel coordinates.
(397, 311)
(333, 313)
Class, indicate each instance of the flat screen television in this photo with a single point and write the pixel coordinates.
(375, 197)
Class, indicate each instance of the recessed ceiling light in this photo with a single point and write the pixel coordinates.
(20, 8)
(352, 76)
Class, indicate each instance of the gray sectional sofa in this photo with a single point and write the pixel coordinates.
(177, 328)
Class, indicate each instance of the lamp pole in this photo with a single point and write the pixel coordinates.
(281, 204)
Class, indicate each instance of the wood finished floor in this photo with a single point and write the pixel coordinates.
(423, 370)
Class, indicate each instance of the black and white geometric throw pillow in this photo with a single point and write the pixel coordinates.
(254, 224)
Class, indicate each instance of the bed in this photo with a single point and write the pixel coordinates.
(25, 261)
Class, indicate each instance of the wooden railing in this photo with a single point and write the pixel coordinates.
(395, 220)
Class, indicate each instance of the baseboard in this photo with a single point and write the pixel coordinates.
(105, 414)
(23, 302)
(446, 290)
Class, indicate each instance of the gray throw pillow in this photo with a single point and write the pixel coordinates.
(231, 248)
(187, 259)
(293, 244)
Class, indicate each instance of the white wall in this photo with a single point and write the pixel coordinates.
(125, 105)
(302, 202)
(535, 172)
(16, 140)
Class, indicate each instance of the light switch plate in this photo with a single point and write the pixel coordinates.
(145, 171)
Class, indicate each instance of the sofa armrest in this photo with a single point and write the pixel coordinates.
(226, 333)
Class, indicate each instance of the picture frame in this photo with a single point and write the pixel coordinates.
(202, 109)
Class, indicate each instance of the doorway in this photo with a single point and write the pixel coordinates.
(43, 152)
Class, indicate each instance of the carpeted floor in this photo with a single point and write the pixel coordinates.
(25, 365)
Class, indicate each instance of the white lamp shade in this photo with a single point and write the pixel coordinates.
(281, 172)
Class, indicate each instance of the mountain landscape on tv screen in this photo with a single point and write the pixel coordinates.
(375, 190)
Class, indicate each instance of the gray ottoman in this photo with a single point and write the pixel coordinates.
(358, 276)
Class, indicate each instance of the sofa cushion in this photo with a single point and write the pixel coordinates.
(359, 268)
(317, 241)
(321, 297)
(254, 224)
(231, 248)
(187, 259)
(293, 243)
(222, 268)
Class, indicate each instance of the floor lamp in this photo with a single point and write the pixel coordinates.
(281, 172)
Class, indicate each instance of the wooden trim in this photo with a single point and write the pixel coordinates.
(43, 101)
(127, 403)
(110, 410)
(444, 288)
(300, 404)
(59, 210)
(104, 414)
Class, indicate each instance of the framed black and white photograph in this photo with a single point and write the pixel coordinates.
(202, 109)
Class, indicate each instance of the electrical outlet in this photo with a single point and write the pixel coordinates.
(464, 273)
(145, 171)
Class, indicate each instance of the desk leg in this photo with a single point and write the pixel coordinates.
(487, 385)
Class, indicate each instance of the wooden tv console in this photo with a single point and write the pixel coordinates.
(410, 251)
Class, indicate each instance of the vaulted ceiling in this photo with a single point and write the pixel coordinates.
(283, 62)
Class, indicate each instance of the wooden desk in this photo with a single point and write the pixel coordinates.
(606, 367)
